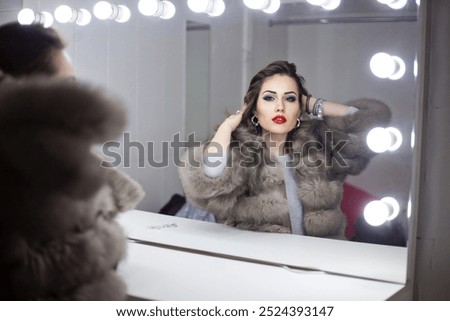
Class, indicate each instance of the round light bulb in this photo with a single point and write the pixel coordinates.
(273, 6)
(169, 10)
(26, 16)
(256, 4)
(149, 7)
(413, 138)
(396, 138)
(63, 14)
(48, 19)
(199, 5)
(376, 213)
(399, 4)
(415, 68)
(409, 207)
(331, 4)
(103, 10)
(84, 17)
(124, 14)
(379, 140)
(317, 2)
(219, 8)
(400, 68)
(393, 206)
(382, 65)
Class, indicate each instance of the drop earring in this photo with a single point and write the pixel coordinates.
(255, 123)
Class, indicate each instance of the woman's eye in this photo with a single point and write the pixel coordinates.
(291, 99)
(268, 98)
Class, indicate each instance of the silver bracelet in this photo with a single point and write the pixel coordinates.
(318, 108)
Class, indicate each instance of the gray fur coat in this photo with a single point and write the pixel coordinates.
(250, 193)
(58, 236)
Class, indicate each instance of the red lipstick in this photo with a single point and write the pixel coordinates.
(279, 119)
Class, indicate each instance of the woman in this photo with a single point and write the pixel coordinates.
(30, 50)
(58, 235)
(269, 167)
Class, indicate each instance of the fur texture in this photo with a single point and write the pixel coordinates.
(250, 193)
(58, 236)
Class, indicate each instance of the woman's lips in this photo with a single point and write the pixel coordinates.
(279, 119)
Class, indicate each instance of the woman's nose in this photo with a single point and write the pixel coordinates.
(280, 106)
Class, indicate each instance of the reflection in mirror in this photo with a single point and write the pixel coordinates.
(197, 79)
(148, 63)
(333, 50)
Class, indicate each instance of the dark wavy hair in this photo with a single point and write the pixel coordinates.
(278, 67)
(28, 49)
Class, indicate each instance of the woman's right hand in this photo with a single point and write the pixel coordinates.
(233, 121)
(221, 140)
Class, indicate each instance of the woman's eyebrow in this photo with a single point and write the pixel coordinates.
(286, 93)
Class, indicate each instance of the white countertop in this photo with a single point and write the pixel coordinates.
(171, 258)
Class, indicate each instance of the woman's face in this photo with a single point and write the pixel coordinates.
(278, 105)
(63, 65)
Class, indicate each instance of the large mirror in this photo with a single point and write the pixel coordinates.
(177, 76)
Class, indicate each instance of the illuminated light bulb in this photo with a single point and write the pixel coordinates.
(104, 10)
(396, 138)
(218, 8)
(415, 68)
(393, 206)
(48, 19)
(124, 14)
(157, 8)
(150, 7)
(84, 17)
(378, 140)
(413, 138)
(257, 4)
(169, 10)
(26, 16)
(331, 4)
(400, 68)
(317, 2)
(381, 139)
(394, 4)
(273, 6)
(418, 2)
(200, 6)
(65, 14)
(384, 66)
(213, 8)
(268, 6)
(377, 212)
(399, 4)
(409, 208)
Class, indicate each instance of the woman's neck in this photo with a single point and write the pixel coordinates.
(275, 143)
